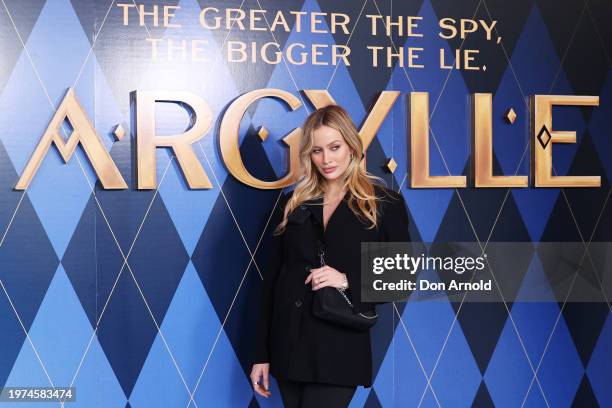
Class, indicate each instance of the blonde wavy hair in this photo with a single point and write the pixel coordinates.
(359, 184)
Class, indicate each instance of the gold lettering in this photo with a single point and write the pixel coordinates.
(483, 147)
(447, 24)
(419, 147)
(217, 20)
(84, 133)
(142, 14)
(373, 19)
(234, 47)
(412, 25)
(254, 18)
(341, 52)
(125, 7)
(197, 51)
(230, 19)
(154, 42)
(389, 23)
(279, 19)
(316, 53)
(488, 28)
(375, 50)
(399, 55)
(542, 150)
(342, 24)
(181, 47)
(315, 21)
(168, 15)
(468, 57)
(412, 56)
(298, 20)
(374, 120)
(290, 55)
(147, 141)
(229, 137)
(278, 55)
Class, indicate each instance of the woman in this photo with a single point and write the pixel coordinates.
(318, 363)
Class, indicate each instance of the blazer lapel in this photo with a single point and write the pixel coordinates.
(315, 205)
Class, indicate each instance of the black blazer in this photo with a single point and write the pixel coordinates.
(298, 345)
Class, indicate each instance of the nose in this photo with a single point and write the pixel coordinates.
(325, 156)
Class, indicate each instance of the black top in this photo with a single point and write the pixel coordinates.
(297, 344)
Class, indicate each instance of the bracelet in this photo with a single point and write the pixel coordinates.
(345, 283)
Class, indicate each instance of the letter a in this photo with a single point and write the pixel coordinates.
(84, 133)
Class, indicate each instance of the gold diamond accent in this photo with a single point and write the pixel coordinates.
(119, 131)
(391, 165)
(263, 133)
(511, 116)
(544, 137)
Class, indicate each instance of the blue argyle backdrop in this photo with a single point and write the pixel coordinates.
(148, 298)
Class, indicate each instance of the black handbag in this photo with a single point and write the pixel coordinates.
(333, 305)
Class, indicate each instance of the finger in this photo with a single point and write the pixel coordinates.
(320, 275)
(259, 390)
(311, 277)
(326, 283)
(254, 383)
(308, 278)
(316, 281)
(263, 392)
(266, 382)
(319, 286)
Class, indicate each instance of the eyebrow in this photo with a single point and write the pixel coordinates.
(333, 141)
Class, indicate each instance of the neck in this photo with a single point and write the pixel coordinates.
(334, 189)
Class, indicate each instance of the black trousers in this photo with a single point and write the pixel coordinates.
(298, 394)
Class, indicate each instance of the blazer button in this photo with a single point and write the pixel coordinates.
(298, 303)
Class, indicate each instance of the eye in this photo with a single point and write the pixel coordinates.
(335, 147)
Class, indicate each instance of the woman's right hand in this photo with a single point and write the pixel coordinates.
(260, 379)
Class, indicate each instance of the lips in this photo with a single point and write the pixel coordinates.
(329, 170)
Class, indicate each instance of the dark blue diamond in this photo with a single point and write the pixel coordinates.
(27, 262)
(158, 260)
(80, 260)
(27, 265)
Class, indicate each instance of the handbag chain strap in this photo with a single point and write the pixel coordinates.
(341, 291)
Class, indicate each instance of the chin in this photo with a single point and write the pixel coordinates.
(331, 176)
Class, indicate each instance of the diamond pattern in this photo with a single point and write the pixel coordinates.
(54, 354)
(24, 16)
(156, 288)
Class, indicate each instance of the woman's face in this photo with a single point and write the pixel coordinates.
(330, 153)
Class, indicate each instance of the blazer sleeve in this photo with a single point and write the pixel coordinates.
(395, 222)
(395, 219)
(394, 227)
(272, 266)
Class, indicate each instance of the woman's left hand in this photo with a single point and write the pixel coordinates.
(325, 276)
